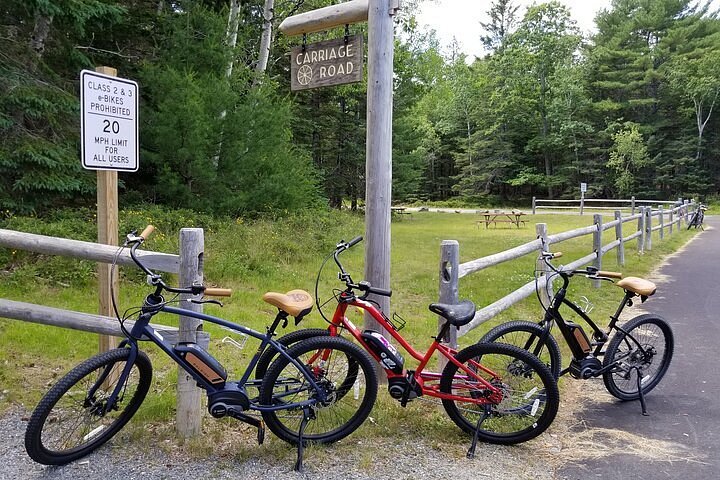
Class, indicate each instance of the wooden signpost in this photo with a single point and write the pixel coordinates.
(378, 166)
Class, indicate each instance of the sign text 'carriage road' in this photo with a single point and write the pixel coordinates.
(109, 126)
(330, 62)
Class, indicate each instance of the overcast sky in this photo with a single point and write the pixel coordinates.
(460, 18)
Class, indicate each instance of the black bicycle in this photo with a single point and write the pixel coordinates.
(301, 403)
(698, 217)
(637, 355)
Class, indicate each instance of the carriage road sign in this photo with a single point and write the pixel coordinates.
(330, 62)
(109, 122)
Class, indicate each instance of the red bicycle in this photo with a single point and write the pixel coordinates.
(498, 393)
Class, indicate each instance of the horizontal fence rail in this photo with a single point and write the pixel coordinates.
(86, 322)
(601, 204)
(189, 266)
(451, 270)
(64, 247)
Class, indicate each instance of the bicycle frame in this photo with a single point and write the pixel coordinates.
(426, 380)
(581, 347)
(142, 328)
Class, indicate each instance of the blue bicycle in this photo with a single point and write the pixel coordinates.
(301, 402)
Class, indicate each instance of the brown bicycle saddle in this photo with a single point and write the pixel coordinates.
(297, 303)
(637, 285)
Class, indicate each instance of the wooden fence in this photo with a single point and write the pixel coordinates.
(581, 204)
(189, 266)
(648, 221)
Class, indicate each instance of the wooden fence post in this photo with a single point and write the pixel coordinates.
(107, 224)
(582, 202)
(597, 245)
(662, 221)
(541, 232)
(189, 401)
(632, 205)
(533, 205)
(648, 228)
(449, 266)
(619, 237)
(641, 229)
(686, 211)
(671, 220)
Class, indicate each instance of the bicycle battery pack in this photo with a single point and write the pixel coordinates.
(389, 356)
(202, 363)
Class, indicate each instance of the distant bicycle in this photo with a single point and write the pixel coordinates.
(698, 217)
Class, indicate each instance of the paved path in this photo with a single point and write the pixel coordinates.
(683, 429)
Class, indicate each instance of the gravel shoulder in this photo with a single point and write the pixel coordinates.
(124, 458)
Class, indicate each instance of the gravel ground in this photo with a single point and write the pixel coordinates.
(119, 459)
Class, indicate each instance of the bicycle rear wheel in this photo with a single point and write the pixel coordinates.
(291, 338)
(343, 371)
(530, 396)
(526, 335)
(652, 361)
(68, 424)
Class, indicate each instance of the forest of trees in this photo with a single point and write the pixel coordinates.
(632, 110)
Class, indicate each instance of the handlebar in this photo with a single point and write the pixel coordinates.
(363, 286)
(588, 271)
(218, 292)
(147, 232)
(134, 241)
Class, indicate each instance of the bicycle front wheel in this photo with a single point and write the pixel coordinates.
(526, 335)
(645, 350)
(343, 371)
(71, 421)
(529, 393)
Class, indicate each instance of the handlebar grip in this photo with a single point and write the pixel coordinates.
(550, 255)
(602, 273)
(380, 291)
(147, 232)
(218, 292)
(354, 241)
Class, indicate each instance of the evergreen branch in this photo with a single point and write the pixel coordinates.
(110, 52)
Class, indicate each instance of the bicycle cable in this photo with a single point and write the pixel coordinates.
(317, 283)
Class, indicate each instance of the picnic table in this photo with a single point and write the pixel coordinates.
(399, 210)
(496, 216)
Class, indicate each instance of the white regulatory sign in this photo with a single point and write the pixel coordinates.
(583, 187)
(109, 122)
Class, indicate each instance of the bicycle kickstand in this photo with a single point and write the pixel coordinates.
(640, 393)
(307, 415)
(485, 414)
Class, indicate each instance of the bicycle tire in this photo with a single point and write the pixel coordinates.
(286, 340)
(528, 388)
(620, 381)
(350, 410)
(513, 333)
(92, 430)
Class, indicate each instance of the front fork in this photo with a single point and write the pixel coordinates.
(118, 390)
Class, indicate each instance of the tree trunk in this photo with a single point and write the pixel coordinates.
(232, 32)
(700, 123)
(265, 39)
(40, 33)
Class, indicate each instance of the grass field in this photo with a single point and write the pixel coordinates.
(280, 255)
